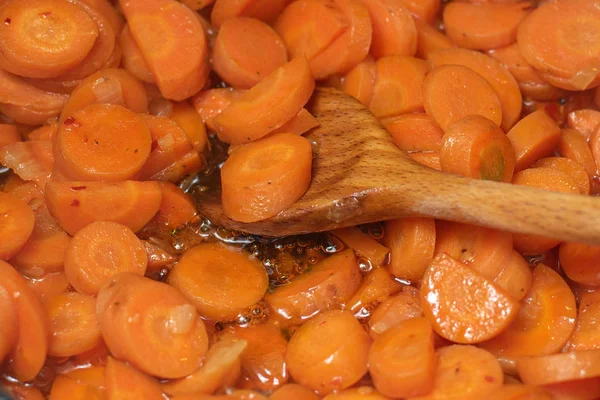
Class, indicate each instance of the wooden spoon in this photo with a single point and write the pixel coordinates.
(360, 176)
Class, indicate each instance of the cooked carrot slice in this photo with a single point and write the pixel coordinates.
(27, 115)
(16, 225)
(180, 33)
(29, 354)
(363, 244)
(64, 34)
(277, 168)
(429, 159)
(569, 167)
(414, 132)
(49, 285)
(152, 326)
(394, 30)
(73, 325)
(8, 323)
(452, 92)
(300, 124)
(586, 335)
(411, 375)
(293, 391)
(494, 73)
(221, 359)
(100, 251)
(176, 207)
(583, 389)
(264, 10)
(545, 321)
(516, 277)
(219, 287)
(245, 51)
(327, 285)
(378, 285)
(79, 384)
(534, 137)
(189, 163)
(555, 368)
(394, 310)
(191, 122)
(483, 26)
(268, 105)
(105, 7)
(397, 88)
(21, 391)
(541, 91)
(31, 161)
(76, 204)
(45, 132)
(423, 10)
(9, 134)
(210, 103)
(329, 352)
(430, 40)
(360, 81)
(580, 262)
(585, 121)
(519, 392)
(485, 310)
(572, 145)
(133, 59)
(477, 148)
(125, 382)
(158, 257)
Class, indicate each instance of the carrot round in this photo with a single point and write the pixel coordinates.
(360, 81)
(151, 325)
(245, 51)
(268, 105)
(363, 244)
(77, 204)
(555, 368)
(430, 159)
(477, 148)
(519, 392)
(586, 335)
(125, 382)
(423, 10)
(580, 262)
(412, 374)
(176, 207)
(210, 103)
(394, 31)
(191, 122)
(73, 325)
(329, 352)
(377, 286)
(569, 167)
(218, 286)
(572, 145)
(585, 121)
(264, 10)
(181, 35)
(300, 124)
(293, 391)
(430, 40)
(49, 285)
(414, 132)
(394, 310)
(17, 223)
(516, 277)
(452, 92)
(100, 251)
(9, 134)
(79, 384)
(277, 168)
(22, 391)
(133, 60)
(64, 34)
(8, 323)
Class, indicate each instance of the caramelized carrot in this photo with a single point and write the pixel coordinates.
(125, 382)
(79, 384)
(585, 336)
(394, 30)
(430, 40)
(210, 103)
(105, 7)
(8, 323)
(133, 59)
(429, 159)
(191, 122)
(394, 310)
(9, 134)
(176, 207)
(555, 368)
(45, 132)
(363, 244)
(293, 391)
(425, 10)
(49, 285)
(583, 389)
(264, 10)
(158, 257)
(569, 167)
(516, 277)
(360, 81)
(300, 124)
(21, 391)
(17, 225)
(77, 204)
(572, 145)
(585, 121)
(414, 132)
(376, 287)
(580, 262)
(519, 392)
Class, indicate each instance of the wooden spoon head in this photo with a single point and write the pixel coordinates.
(352, 152)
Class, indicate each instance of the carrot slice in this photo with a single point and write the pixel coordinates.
(31, 161)
(17, 222)
(264, 10)
(545, 321)
(360, 81)
(583, 389)
(586, 334)
(29, 354)
(580, 262)
(245, 51)
(189, 163)
(414, 132)
(485, 310)
(327, 285)
(268, 105)
(572, 145)
(425, 10)
(483, 26)
(73, 325)
(133, 59)
(210, 103)
(363, 244)
(124, 382)
(477, 148)
(516, 277)
(394, 310)
(158, 257)
(394, 30)
(569, 167)
(21, 391)
(534, 137)
(277, 168)
(585, 121)
(397, 88)
(494, 73)
(554, 368)
(115, 18)
(293, 391)
(378, 285)
(176, 207)
(180, 33)
(9, 134)
(429, 159)
(49, 285)
(430, 40)
(152, 326)
(300, 124)
(8, 323)
(63, 36)
(79, 384)
(411, 375)
(519, 392)
(45, 132)
(452, 92)
(191, 122)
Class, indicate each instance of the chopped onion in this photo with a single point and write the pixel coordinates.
(108, 91)
(583, 78)
(161, 107)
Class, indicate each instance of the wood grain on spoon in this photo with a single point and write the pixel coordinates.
(360, 176)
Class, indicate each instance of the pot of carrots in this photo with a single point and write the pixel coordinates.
(117, 116)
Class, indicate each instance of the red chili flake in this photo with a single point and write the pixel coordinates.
(489, 379)
(78, 187)
(154, 145)
(7, 21)
(71, 121)
(75, 203)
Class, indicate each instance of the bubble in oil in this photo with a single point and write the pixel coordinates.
(313, 260)
(376, 231)
(364, 265)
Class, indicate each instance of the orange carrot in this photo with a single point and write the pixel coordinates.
(21, 391)
(124, 382)
(31, 161)
(378, 285)
(585, 121)
(158, 257)
(218, 287)
(9, 134)
(79, 384)
(414, 132)
(191, 122)
(77, 204)
(249, 177)
(210, 103)
(360, 81)
(519, 392)
(516, 277)
(177, 28)
(300, 124)
(583, 389)
(17, 225)
(133, 59)
(176, 207)
(451, 92)
(580, 262)
(8, 323)
(45, 132)
(293, 391)
(394, 30)
(394, 310)
(572, 145)
(363, 244)
(585, 336)
(105, 7)
(430, 40)
(100, 251)
(572, 168)
(429, 159)
(555, 368)
(264, 10)
(425, 10)
(49, 285)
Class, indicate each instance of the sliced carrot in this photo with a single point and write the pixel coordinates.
(300, 124)
(77, 204)
(64, 34)
(451, 92)
(176, 207)
(293, 391)
(189, 163)
(394, 310)
(100, 251)
(219, 287)
(105, 7)
(360, 81)
(534, 137)
(580, 262)
(222, 358)
(326, 285)
(430, 40)
(512, 59)
(494, 73)
(586, 334)
(555, 368)
(378, 285)
(397, 88)
(572, 145)
(9, 134)
(425, 10)
(49, 285)
(191, 122)
(485, 309)
(264, 10)
(583, 389)
(245, 51)
(545, 322)
(28, 355)
(429, 159)
(17, 222)
(27, 115)
(45, 132)
(414, 132)
(133, 59)
(125, 382)
(477, 148)
(519, 392)
(210, 103)
(569, 167)
(79, 384)
(268, 105)
(541, 91)
(329, 352)
(585, 121)
(363, 244)
(277, 168)
(21, 391)
(152, 326)
(158, 257)
(484, 250)
(180, 34)
(8, 323)
(31, 161)
(73, 325)
(394, 30)
(516, 277)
